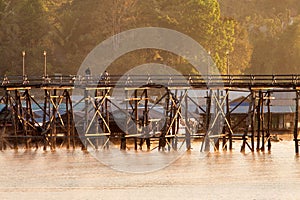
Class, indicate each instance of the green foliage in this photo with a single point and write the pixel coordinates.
(271, 26)
(69, 29)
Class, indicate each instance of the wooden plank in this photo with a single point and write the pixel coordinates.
(136, 99)
(57, 88)
(18, 88)
(96, 134)
(136, 88)
(179, 88)
(98, 88)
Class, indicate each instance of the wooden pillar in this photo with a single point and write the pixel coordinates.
(146, 120)
(86, 121)
(171, 114)
(162, 138)
(123, 136)
(71, 121)
(68, 118)
(229, 138)
(187, 125)
(216, 127)
(207, 125)
(176, 124)
(296, 123)
(262, 124)
(45, 114)
(106, 91)
(53, 126)
(253, 100)
(258, 120)
(28, 115)
(136, 117)
(269, 120)
(228, 118)
(17, 112)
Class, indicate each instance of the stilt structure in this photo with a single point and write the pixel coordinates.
(169, 122)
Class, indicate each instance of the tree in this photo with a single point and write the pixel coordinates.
(23, 27)
(200, 20)
(286, 57)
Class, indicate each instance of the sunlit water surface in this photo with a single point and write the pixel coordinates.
(74, 174)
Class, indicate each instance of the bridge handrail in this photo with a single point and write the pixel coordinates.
(286, 80)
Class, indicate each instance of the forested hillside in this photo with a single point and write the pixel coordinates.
(273, 27)
(256, 36)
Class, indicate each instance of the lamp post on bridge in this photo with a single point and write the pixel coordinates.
(25, 80)
(23, 66)
(45, 64)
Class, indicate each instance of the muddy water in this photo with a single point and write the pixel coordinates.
(63, 174)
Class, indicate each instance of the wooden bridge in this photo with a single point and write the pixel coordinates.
(128, 110)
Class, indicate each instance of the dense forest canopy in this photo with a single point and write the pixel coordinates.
(254, 36)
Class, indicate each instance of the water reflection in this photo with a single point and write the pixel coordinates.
(75, 174)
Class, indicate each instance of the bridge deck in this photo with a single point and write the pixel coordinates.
(194, 81)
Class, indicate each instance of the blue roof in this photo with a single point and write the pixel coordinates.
(2, 106)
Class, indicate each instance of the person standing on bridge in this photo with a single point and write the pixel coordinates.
(87, 74)
(105, 77)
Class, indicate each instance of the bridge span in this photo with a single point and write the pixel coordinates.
(145, 111)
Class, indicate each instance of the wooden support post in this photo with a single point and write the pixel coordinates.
(136, 117)
(97, 123)
(228, 118)
(170, 115)
(68, 119)
(86, 121)
(269, 121)
(296, 123)
(103, 112)
(208, 107)
(162, 138)
(45, 114)
(225, 125)
(106, 91)
(174, 117)
(28, 114)
(187, 126)
(248, 123)
(262, 123)
(123, 138)
(17, 112)
(216, 127)
(146, 120)
(53, 127)
(253, 100)
(259, 119)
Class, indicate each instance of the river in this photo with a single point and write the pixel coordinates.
(75, 174)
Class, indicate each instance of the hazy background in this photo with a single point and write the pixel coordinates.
(254, 36)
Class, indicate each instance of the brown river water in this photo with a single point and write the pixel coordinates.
(74, 174)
